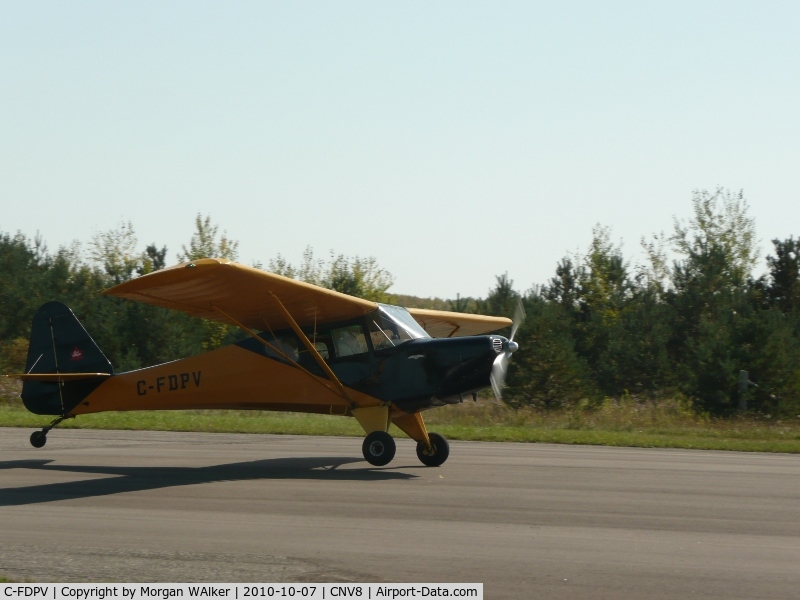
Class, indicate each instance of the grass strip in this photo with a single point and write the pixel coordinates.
(612, 424)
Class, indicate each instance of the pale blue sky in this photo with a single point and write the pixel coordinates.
(453, 141)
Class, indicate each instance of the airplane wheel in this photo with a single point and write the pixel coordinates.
(379, 448)
(441, 450)
(38, 439)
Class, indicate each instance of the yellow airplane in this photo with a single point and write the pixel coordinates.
(308, 349)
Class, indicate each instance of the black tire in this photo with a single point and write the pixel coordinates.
(38, 439)
(379, 448)
(441, 450)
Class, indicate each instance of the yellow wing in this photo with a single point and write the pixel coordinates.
(201, 287)
(442, 323)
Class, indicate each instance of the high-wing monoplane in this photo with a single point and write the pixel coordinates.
(308, 349)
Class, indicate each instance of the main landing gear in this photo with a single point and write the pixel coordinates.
(39, 438)
(379, 449)
(438, 453)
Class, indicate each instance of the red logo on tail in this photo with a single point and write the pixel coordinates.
(76, 354)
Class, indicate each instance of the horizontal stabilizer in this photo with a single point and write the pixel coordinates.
(59, 377)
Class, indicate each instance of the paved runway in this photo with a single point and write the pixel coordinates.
(527, 520)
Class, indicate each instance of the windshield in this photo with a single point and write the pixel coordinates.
(390, 326)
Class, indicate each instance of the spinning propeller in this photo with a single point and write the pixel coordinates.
(500, 366)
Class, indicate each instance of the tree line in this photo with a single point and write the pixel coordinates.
(684, 323)
(685, 326)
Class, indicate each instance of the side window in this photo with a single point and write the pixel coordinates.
(288, 345)
(383, 333)
(322, 348)
(349, 340)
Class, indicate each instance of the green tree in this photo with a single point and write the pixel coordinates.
(603, 290)
(774, 363)
(204, 243)
(714, 299)
(356, 276)
(502, 299)
(115, 251)
(783, 287)
(635, 358)
(547, 372)
(21, 267)
(564, 288)
(655, 275)
(153, 259)
(462, 305)
(720, 222)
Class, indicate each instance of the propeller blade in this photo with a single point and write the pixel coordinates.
(518, 319)
(498, 375)
(500, 366)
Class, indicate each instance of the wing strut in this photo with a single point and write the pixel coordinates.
(320, 361)
(280, 352)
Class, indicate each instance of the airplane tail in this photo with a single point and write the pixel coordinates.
(64, 363)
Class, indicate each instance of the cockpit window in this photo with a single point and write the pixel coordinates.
(349, 340)
(390, 326)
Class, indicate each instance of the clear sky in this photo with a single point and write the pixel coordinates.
(453, 141)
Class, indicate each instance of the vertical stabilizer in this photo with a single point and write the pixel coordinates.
(60, 344)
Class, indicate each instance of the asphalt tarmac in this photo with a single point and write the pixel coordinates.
(527, 520)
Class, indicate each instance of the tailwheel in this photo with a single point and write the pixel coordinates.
(439, 453)
(378, 448)
(38, 439)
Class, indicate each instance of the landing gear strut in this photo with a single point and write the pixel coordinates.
(39, 438)
(379, 448)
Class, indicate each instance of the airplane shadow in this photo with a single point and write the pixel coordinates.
(134, 479)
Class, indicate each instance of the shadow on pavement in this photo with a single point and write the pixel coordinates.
(133, 479)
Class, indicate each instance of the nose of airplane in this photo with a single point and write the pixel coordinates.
(500, 367)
